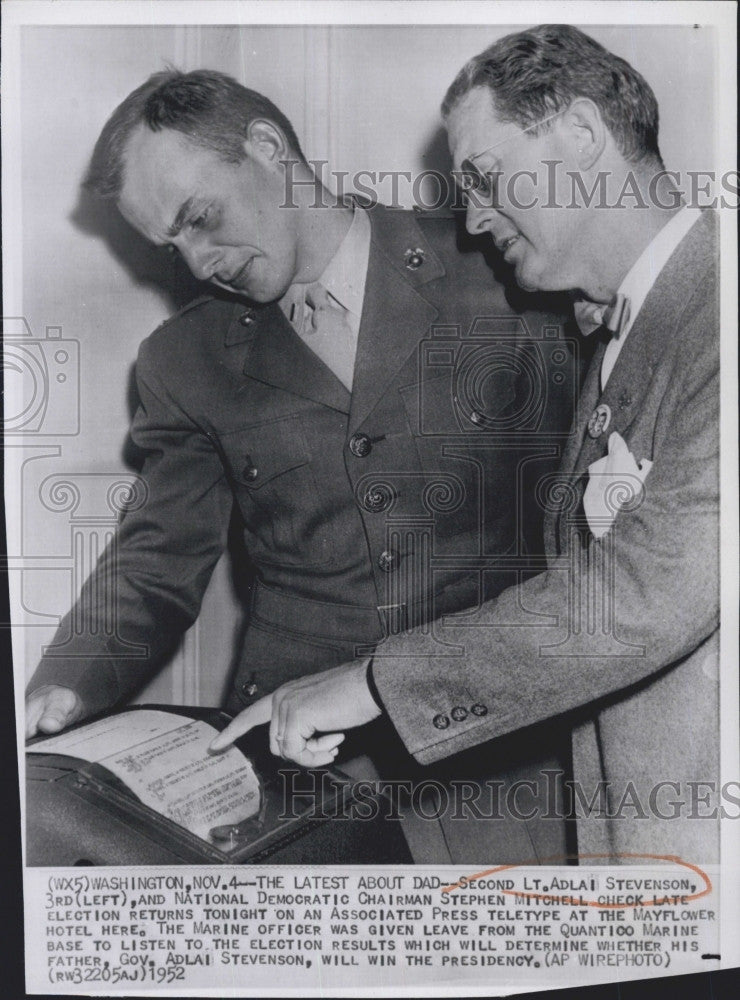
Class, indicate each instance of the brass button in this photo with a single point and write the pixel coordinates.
(459, 713)
(248, 317)
(479, 710)
(249, 688)
(376, 500)
(250, 472)
(360, 445)
(414, 258)
(388, 560)
(440, 722)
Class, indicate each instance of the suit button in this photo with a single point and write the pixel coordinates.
(250, 472)
(440, 722)
(249, 688)
(479, 710)
(459, 713)
(360, 445)
(389, 560)
(248, 317)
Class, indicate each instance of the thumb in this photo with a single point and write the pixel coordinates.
(61, 707)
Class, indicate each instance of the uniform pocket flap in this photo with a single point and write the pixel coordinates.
(259, 453)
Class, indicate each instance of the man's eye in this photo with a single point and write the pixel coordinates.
(200, 220)
(468, 179)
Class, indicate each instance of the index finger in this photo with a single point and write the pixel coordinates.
(255, 715)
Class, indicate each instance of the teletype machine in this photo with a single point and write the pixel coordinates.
(138, 787)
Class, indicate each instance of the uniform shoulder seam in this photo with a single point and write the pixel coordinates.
(188, 307)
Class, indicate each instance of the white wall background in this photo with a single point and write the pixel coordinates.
(360, 97)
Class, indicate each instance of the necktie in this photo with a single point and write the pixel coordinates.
(591, 315)
(327, 332)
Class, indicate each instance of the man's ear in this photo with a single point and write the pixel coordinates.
(586, 130)
(265, 141)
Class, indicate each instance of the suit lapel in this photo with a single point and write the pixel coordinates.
(277, 355)
(587, 400)
(395, 316)
(650, 341)
(556, 522)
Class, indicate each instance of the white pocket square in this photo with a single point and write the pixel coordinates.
(615, 483)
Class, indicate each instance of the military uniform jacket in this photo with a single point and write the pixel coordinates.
(619, 637)
(363, 514)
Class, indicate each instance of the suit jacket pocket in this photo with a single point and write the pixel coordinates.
(272, 476)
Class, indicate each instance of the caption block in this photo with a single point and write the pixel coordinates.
(113, 930)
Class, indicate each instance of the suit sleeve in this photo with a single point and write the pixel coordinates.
(602, 620)
(148, 585)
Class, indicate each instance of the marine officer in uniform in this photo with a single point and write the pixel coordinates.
(320, 399)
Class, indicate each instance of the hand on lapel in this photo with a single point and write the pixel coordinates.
(615, 483)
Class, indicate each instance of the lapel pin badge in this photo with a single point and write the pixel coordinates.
(599, 420)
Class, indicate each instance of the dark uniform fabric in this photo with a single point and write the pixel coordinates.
(363, 514)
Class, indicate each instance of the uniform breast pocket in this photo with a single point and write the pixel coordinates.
(270, 468)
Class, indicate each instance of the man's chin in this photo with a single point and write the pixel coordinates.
(531, 281)
(245, 292)
(526, 281)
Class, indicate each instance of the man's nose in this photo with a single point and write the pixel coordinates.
(479, 219)
(202, 261)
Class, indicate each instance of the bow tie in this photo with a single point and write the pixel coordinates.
(613, 315)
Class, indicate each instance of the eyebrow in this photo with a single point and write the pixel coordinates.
(182, 214)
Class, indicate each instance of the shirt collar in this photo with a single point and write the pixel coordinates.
(644, 272)
(345, 275)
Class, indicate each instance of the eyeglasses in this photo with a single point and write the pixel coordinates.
(469, 178)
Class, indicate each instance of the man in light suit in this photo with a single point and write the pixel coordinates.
(619, 637)
(305, 410)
